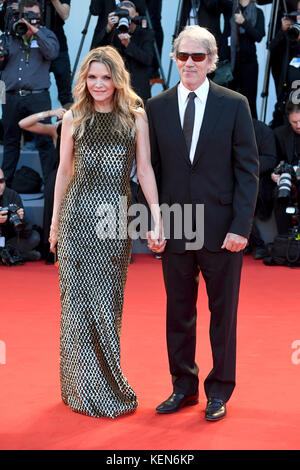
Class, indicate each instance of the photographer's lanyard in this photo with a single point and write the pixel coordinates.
(27, 47)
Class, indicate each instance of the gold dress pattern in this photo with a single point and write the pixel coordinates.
(93, 271)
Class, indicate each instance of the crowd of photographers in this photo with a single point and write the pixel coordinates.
(33, 45)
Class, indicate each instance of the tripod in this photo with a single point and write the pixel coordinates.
(271, 35)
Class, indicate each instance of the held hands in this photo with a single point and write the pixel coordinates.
(156, 239)
(234, 242)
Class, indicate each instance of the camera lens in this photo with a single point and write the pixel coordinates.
(123, 25)
(294, 31)
(20, 28)
(284, 186)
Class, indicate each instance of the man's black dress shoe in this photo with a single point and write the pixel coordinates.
(215, 409)
(177, 401)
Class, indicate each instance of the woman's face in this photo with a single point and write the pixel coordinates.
(99, 83)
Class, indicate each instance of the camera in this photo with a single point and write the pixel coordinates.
(125, 20)
(294, 31)
(19, 28)
(12, 18)
(13, 217)
(287, 175)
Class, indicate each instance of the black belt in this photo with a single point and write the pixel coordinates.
(26, 92)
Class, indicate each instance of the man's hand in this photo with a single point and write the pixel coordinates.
(20, 213)
(3, 217)
(124, 38)
(31, 29)
(275, 177)
(112, 20)
(234, 242)
(285, 24)
(156, 239)
(239, 18)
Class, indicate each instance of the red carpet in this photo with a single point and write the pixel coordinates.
(263, 413)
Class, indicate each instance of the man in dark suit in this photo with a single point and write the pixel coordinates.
(203, 153)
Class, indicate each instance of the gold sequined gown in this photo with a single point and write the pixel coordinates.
(93, 271)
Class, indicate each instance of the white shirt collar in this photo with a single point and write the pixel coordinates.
(201, 92)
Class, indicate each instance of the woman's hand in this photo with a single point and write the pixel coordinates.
(53, 237)
(156, 238)
(59, 113)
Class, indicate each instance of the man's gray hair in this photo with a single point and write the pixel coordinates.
(204, 37)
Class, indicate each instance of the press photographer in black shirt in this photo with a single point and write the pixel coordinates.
(286, 47)
(134, 43)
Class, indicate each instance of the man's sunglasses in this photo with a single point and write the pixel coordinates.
(2, 180)
(197, 56)
(127, 4)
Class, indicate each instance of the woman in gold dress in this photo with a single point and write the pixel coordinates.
(101, 135)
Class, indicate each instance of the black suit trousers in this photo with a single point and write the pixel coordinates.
(221, 272)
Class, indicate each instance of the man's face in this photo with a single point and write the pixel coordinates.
(34, 9)
(192, 73)
(131, 9)
(2, 183)
(294, 120)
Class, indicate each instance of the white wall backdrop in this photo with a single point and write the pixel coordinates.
(77, 20)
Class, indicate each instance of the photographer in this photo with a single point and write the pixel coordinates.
(287, 139)
(134, 43)
(247, 28)
(25, 61)
(286, 47)
(102, 8)
(15, 229)
(265, 200)
(275, 58)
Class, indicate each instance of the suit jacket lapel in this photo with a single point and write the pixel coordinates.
(212, 113)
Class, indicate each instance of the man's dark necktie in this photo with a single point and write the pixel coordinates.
(188, 121)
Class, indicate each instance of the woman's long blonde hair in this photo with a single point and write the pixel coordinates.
(125, 100)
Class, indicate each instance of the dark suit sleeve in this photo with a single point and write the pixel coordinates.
(97, 7)
(246, 171)
(142, 51)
